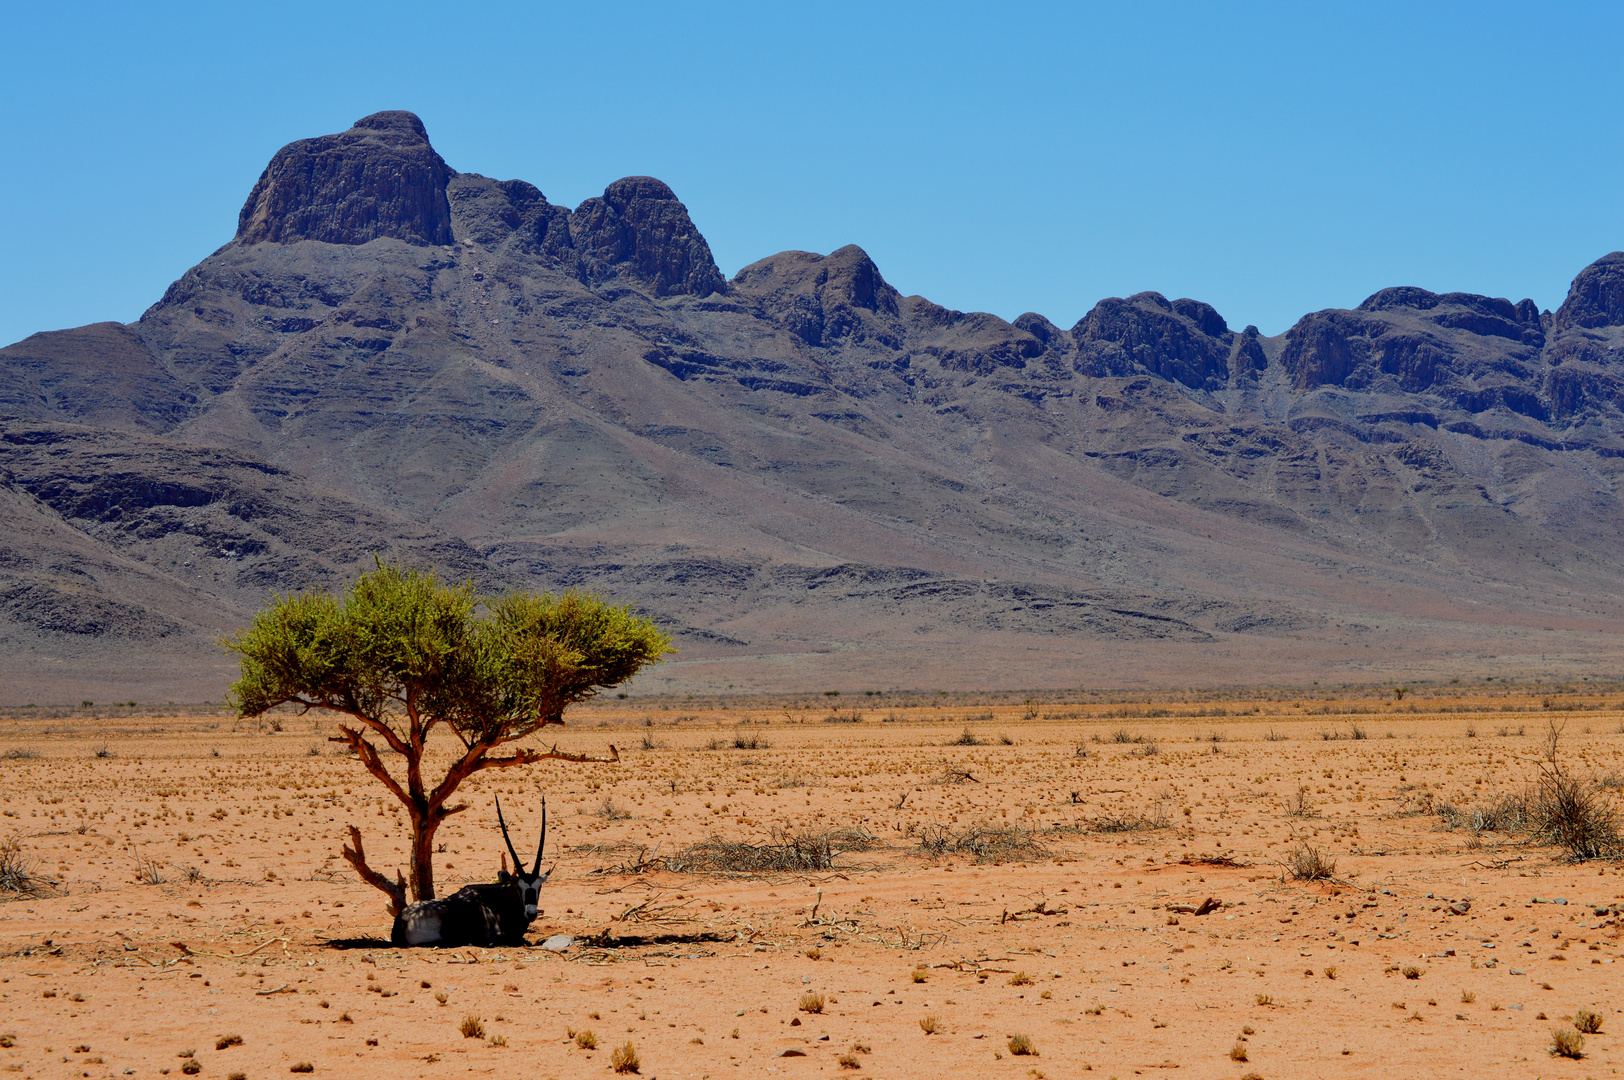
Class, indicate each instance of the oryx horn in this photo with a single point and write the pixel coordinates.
(518, 863)
(536, 869)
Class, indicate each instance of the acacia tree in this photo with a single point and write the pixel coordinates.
(400, 655)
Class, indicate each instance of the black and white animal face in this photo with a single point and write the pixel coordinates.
(529, 886)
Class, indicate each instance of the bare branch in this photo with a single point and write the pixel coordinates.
(374, 763)
(356, 856)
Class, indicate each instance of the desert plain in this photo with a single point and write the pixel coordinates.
(1108, 884)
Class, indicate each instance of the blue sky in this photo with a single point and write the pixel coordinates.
(1270, 159)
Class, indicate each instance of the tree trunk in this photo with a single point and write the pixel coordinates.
(423, 830)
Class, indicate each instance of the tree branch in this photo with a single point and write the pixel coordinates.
(373, 763)
(356, 856)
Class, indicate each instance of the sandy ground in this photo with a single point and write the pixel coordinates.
(1076, 945)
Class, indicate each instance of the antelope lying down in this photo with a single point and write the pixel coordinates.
(486, 914)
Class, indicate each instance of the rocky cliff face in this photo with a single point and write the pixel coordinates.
(381, 178)
(807, 474)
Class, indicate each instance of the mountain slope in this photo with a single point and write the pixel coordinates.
(810, 477)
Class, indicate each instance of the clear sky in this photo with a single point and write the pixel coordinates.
(1270, 159)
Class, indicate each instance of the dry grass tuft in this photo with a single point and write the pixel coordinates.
(1021, 1046)
(227, 1040)
(1587, 1021)
(920, 973)
(1020, 978)
(786, 851)
(986, 843)
(586, 1040)
(1410, 971)
(301, 1067)
(624, 1059)
(849, 1061)
(1308, 863)
(472, 1027)
(929, 1024)
(16, 876)
(811, 1002)
(1565, 1042)
(1238, 1051)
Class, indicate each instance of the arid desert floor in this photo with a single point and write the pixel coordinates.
(1037, 879)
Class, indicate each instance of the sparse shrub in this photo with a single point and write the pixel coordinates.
(1410, 971)
(1264, 999)
(103, 751)
(624, 1058)
(1238, 1051)
(610, 812)
(227, 1040)
(301, 1067)
(1308, 863)
(190, 1067)
(1565, 1042)
(1571, 814)
(811, 1002)
(498, 1040)
(849, 1061)
(987, 843)
(472, 1027)
(1005, 740)
(920, 973)
(1298, 804)
(586, 1040)
(20, 753)
(742, 741)
(1020, 978)
(1021, 1046)
(787, 851)
(16, 876)
(929, 1024)
(966, 738)
(441, 997)
(814, 953)
(1467, 997)
(1587, 1021)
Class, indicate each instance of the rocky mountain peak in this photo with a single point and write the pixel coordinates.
(379, 179)
(1596, 298)
(639, 227)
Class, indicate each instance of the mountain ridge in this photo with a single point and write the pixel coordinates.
(808, 475)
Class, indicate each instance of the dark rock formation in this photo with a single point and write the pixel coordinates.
(381, 178)
(1477, 352)
(1596, 298)
(1184, 341)
(825, 299)
(1586, 354)
(639, 229)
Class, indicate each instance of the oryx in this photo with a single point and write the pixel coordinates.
(487, 914)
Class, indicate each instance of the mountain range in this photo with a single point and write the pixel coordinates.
(811, 479)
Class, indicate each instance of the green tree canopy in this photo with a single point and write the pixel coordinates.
(401, 654)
